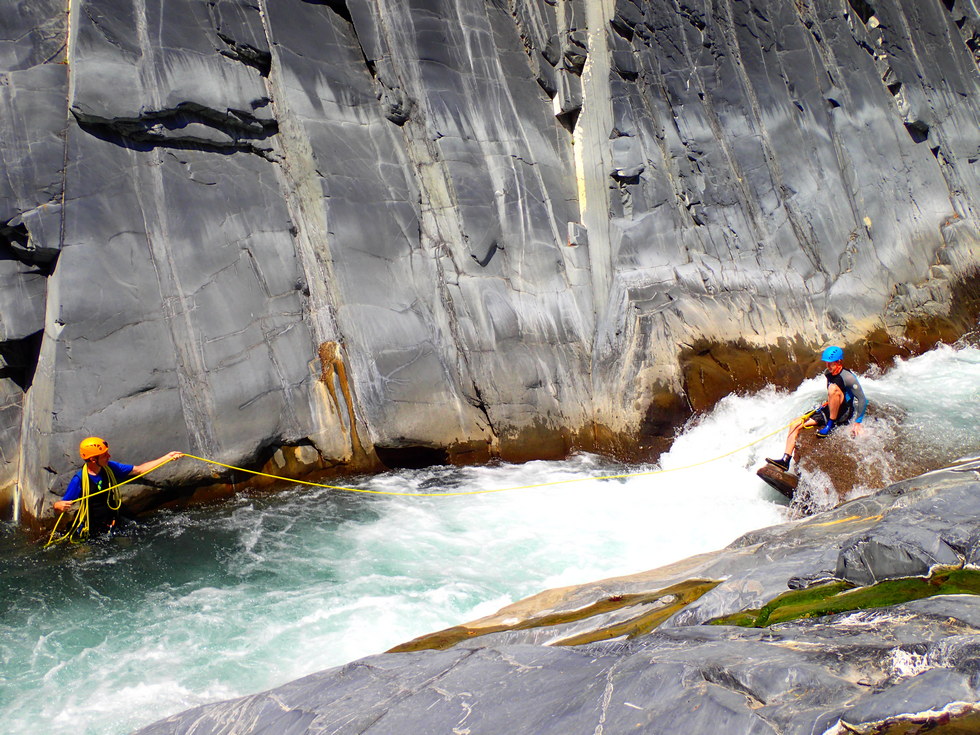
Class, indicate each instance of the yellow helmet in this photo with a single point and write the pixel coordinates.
(93, 447)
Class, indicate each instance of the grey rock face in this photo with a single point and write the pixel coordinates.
(913, 663)
(346, 224)
(678, 681)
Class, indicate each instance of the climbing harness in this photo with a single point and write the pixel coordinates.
(114, 487)
(80, 527)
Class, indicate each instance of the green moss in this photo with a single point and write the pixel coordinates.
(655, 607)
(840, 597)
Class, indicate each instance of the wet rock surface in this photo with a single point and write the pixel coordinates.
(379, 228)
(904, 667)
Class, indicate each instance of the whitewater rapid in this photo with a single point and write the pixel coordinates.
(219, 602)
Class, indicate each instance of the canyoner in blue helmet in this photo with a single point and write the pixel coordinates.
(845, 402)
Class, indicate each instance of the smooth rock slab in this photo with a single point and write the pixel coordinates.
(796, 678)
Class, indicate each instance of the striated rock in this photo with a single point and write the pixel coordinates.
(458, 229)
(912, 540)
(641, 652)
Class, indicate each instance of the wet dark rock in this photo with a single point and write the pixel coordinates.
(871, 558)
(756, 179)
(891, 668)
(913, 540)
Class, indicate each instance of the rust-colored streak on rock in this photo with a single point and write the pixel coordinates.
(680, 596)
(332, 365)
(922, 334)
(964, 721)
(673, 599)
(666, 412)
(711, 371)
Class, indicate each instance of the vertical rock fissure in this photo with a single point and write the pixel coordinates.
(566, 122)
(593, 161)
(591, 139)
(196, 399)
(37, 415)
(304, 196)
(300, 183)
(439, 224)
(72, 15)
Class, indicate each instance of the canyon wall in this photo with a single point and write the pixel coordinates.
(341, 235)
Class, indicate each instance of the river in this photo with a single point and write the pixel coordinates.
(222, 601)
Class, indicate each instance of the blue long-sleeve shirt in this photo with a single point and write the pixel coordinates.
(96, 482)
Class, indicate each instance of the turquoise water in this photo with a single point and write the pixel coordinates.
(223, 601)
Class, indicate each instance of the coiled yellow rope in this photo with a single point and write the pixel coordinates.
(79, 529)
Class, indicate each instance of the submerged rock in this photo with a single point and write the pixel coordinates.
(900, 666)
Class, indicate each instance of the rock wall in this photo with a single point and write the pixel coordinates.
(384, 229)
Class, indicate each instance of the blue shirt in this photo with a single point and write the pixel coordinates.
(96, 482)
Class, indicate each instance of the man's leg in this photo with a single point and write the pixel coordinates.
(794, 432)
(835, 399)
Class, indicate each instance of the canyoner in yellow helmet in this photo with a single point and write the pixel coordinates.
(93, 491)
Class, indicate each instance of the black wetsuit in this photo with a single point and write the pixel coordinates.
(852, 390)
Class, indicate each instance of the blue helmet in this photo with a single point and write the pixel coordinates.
(832, 354)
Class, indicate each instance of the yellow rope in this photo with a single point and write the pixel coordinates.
(81, 517)
(506, 489)
(52, 540)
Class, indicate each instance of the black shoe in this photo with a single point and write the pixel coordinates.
(784, 466)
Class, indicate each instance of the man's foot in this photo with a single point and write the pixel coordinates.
(782, 464)
(827, 428)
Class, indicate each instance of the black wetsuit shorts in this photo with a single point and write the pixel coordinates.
(821, 416)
